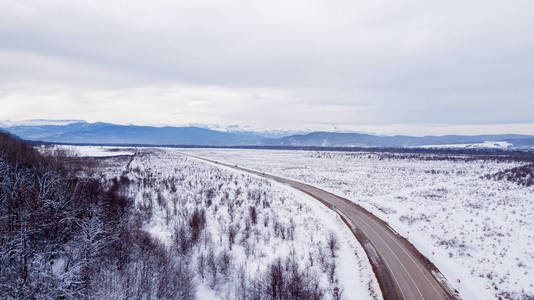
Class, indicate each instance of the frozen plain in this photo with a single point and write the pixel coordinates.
(180, 183)
(477, 231)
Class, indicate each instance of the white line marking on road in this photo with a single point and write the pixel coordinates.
(398, 259)
(395, 279)
(415, 262)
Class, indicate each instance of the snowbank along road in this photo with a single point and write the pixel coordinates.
(403, 273)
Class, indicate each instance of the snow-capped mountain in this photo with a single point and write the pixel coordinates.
(71, 131)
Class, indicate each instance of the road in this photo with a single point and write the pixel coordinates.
(402, 272)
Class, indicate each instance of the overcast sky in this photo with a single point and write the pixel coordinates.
(411, 67)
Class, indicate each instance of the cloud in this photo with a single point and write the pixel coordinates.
(275, 63)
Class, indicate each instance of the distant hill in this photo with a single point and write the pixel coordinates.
(107, 133)
(337, 139)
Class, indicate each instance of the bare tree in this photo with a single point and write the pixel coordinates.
(333, 244)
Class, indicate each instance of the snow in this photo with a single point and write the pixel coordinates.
(172, 185)
(204, 292)
(475, 230)
(95, 151)
(348, 248)
(484, 145)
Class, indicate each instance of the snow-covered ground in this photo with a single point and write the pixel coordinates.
(479, 232)
(169, 187)
(92, 151)
(485, 145)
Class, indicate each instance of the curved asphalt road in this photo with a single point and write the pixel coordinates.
(402, 272)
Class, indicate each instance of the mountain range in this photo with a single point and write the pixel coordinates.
(81, 132)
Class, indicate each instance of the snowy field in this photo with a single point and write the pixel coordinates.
(249, 223)
(485, 145)
(479, 232)
(91, 151)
